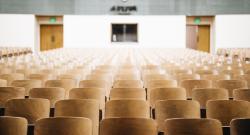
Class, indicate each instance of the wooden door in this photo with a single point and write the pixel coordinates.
(191, 36)
(204, 38)
(51, 37)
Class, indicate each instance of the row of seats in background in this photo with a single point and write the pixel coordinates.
(242, 53)
(131, 91)
(13, 51)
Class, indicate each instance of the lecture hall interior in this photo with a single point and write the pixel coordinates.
(124, 67)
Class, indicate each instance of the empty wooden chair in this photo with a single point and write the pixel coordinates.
(7, 93)
(167, 109)
(76, 77)
(202, 95)
(11, 77)
(127, 93)
(41, 77)
(13, 126)
(80, 108)
(89, 93)
(241, 94)
(27, 84)
(95, 84)
(226, 110)
(53, 94)
(189, 85)
(149, 77)
(31, 109)
(128, 84)
(230, 85)
(128, 126)
(245, 77)
(240, 126)
(166, 94)
(161, 84)
(193, 127)
(3, 83)
(215, 78)
(67, 84)
(182, 77)
(63, 126)
(127, 108)
(127, 77)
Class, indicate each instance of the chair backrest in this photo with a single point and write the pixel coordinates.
(3, 83)
(189, 85)
(127, 108)
(230, 85)
(89, 93)
(202, 95)
(41, 77)
(13, 126)
(87, 108)
(63, 126)
(127, 77)
(182, 77)
(166, 94)
(128, 84)
(226, 110)
(193, 127)
(215, 78)
(128, 126)
(241, 94)
(7, 93)
(127, 93)
(167, 109)
(31, 109)
(93, 84)
(67, 84)
(27, 84)
(53, 94)
(240, 126)
(11, 77)
(161, 83)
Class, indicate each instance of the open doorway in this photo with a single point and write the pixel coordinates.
(124, 33)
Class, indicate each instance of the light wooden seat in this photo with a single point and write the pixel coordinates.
(80, 108)
(3, 83)
(241, 94)
(240, 126)
(89, 93)
(53, 94)
(67, 84)
(182, 77)
(127, 108)
(27, 84)
(149, 77)
(189, 85)
(127, 77)
(31, 109)
(193, 127)
(161, 84)
(166, 94)
(41, 77)
(128, 84)
(63, 126)
(128, 126)
(7, 93)
(75, 77)
(95, 84)
(215, 78)
(127, 93)
(245, 77)
(167, 109)
(226, 110)
(230, 85)
(203, 95)
(13, 126)
(11, 77)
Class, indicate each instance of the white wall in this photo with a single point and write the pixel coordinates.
(153, 31)
(17, 30)
(232, 31)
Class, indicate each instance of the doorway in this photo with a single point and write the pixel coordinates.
(51, 37)
(124, 33)
(198, 37)
(200, 33)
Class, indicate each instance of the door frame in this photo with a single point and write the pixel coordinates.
(45, 20)
(205, 20)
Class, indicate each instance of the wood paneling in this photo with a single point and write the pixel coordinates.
(51, 37)
(204, 38)
(191, 36)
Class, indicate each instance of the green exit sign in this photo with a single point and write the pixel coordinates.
(197, 20)
(52, 19)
